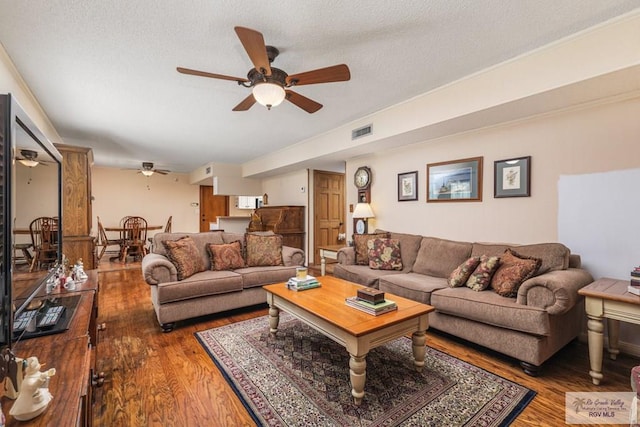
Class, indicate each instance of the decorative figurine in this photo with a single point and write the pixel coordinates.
(34, 396)
(78, 269)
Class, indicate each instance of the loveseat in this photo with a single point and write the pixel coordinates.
(231, 269)
(541, 315)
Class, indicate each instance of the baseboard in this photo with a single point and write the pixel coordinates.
(625, 347)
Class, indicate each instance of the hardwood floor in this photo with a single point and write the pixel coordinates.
(158, 379)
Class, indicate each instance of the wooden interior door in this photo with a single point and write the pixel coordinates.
(211, 207)
(329, 210)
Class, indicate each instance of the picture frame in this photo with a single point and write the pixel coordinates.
(512, 177)
(455, 181)
(408, 186)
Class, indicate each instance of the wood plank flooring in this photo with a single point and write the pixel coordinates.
(158, 379)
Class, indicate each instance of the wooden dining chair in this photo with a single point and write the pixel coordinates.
(44, 239)
(167, 228)
(104, 241)
(134, 238)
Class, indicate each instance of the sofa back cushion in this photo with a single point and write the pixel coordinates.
(554, 256)
(439, 257)
(201, 240)
(409, 247)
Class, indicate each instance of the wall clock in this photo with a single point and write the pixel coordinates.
(362, 180)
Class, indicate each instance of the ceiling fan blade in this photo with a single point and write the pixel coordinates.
(253, 43)
(245, 104)
(336, 73)
(161, 171)
(308, 105)
(212, 75)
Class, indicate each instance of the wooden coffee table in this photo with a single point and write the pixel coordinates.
(324, 309)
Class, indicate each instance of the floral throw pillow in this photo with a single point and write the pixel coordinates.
(227, 256)
(264, 250)
(184, 254)
(480, 279)
(384, 254)
(514, 269)
(360, 246)
(461, 274)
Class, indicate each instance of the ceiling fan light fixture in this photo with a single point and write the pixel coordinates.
(146, 172)
(29, 163)
(269, 94)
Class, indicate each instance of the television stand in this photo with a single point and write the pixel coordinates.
(72, 353)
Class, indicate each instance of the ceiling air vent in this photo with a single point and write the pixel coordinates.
(360, 132)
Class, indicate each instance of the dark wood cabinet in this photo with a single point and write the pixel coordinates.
(289, 221)
(72, 353)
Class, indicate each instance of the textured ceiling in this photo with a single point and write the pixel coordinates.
(105, 72)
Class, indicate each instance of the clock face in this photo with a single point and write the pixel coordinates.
(360, 229)
(362, 177)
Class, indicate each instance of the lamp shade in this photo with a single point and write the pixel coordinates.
(268, 94)
(363, 210)
(29, 163)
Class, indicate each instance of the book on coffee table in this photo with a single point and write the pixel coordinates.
(373, 309)
(309, 282)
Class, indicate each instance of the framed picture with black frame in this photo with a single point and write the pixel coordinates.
(408, 186)
(512, 177)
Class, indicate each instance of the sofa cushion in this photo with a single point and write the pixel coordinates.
(226, 256)
(409, 247)
(384, 254)
(201, 284)
(414, 286)
(513, 270)
(360, 245)
(439, 257)
(554, 256)
(258, 276)
(492, 309)
(184, 254)
(480, 279)
(461, 274)
(201, 240)
(264, 250)
(361, 274)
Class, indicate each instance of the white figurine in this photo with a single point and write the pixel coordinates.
(34, 396)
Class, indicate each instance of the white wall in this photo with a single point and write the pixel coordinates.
(597, 139)
(119, 193)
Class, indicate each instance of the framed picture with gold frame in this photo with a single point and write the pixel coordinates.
(455, 181)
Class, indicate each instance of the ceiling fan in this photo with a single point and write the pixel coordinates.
(29, 158)
(148, 170)
(270, 85)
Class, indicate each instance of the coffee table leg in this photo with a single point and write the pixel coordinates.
(358, 374)
(419, 339)
(274, 319)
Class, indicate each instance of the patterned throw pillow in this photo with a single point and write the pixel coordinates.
(514, 269)
(384, 254)
(461, 274)
(184, 254)
(480, 279)
(264, 250)
(226, 256)
(360, 246)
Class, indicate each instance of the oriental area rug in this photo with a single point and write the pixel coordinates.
(301, 378)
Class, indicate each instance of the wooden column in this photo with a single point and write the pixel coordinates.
(77, 241)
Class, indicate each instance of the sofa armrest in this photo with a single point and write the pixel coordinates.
(292, 256)
(158, 269)
(554, 291)
(347, 255)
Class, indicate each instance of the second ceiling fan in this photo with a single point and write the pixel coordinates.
(270, 85)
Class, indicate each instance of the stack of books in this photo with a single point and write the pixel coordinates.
(374, 308)
(634, 283)
(308, 282)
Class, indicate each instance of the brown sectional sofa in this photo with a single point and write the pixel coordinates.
(545, 315)
(209, 291)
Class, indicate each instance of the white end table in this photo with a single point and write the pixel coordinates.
(328, 251)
